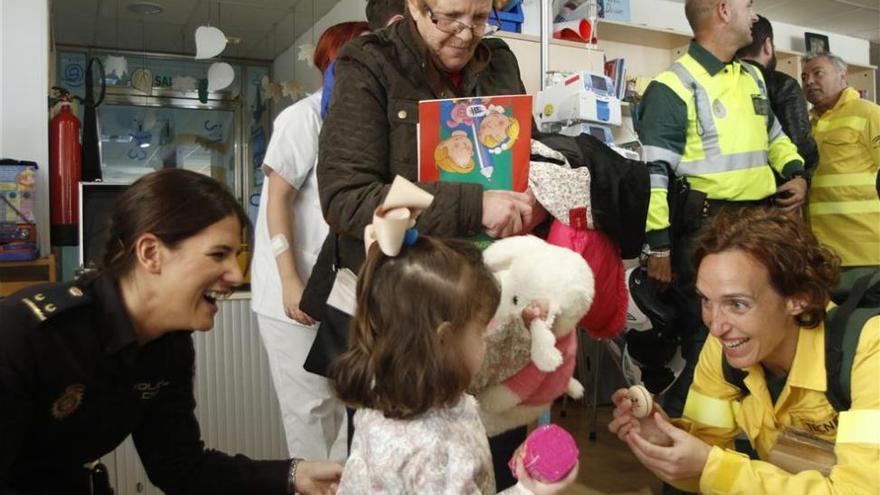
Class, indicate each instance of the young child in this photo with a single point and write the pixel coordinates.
(416, 341)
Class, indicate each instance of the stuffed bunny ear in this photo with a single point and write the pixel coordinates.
(500, 255)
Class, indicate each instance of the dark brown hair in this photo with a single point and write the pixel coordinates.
(796, 263)
(172, 204)
(397, 361)
(761, 30)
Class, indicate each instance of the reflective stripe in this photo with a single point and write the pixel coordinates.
(855, 123)
(775, 131)
(703, 109)
(839, 180)
(709, 411)
(724, 163)
(845, 207)
(655, 153)
(754, 73)
(859, 426)
(659, 181)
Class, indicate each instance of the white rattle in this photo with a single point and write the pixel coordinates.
(642, 403)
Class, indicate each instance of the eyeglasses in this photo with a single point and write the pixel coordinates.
(451, 26)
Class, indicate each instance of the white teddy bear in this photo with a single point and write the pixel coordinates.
(527, 368)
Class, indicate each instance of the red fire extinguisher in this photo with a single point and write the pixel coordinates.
(65, 170)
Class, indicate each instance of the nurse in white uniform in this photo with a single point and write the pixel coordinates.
(289, 232)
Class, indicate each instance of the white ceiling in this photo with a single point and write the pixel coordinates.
(268, 27)
(856, 18)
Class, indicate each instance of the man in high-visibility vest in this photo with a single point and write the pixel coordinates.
(844, 205)
(707, 121)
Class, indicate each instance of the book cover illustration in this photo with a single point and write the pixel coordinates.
(484, 141)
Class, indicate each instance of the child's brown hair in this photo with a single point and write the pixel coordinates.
(404, 356)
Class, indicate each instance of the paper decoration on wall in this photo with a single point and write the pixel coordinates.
(210, 42)
(115, 66)
(142, 80)
(275, 91)
(307, 54)
(183, 83)
(220, 75)
(294, 89)
(271, 90)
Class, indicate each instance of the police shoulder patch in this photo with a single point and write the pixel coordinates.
(47, 301)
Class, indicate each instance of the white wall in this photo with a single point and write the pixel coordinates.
(24, 83)
(286, 66)
(2, 78)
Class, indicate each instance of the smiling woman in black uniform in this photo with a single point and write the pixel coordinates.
(84, 364)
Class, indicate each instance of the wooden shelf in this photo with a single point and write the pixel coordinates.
(641, 34)
(15, 275)
(507, 35)
(648, 50)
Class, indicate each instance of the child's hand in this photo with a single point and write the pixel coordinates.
(318, 477)
(537, 487)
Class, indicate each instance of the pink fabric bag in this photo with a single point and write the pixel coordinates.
(607, 315)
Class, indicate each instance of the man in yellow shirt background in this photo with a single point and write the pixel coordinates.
(844, 200)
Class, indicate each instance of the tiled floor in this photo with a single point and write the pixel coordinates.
(607, 466)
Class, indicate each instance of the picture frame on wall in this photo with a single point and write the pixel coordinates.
(614, 10)
(816, 43)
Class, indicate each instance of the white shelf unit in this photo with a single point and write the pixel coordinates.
(650, 50)
(564, 55)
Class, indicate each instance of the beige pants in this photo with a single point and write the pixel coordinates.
(314, 420)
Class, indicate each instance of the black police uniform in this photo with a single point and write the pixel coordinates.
(74, 384)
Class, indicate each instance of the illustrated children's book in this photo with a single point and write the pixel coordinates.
(484, 141)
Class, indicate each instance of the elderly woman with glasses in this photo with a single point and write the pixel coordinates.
(440, 50)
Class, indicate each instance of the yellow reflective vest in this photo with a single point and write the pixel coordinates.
(844, 208)
(716, 412)
(730, 138)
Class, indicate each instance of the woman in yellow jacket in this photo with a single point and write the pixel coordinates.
(764, 282)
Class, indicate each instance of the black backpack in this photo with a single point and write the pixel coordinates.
(858, 299)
